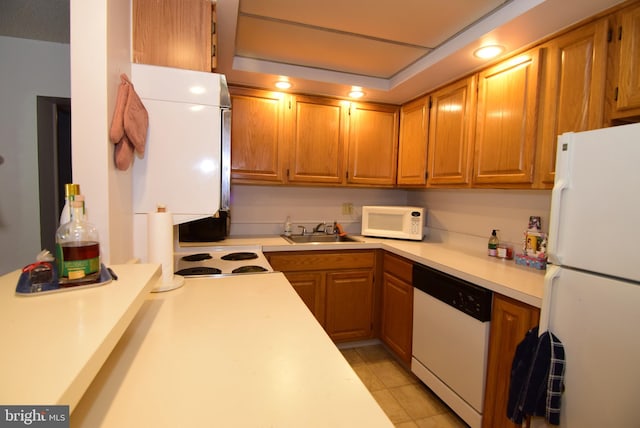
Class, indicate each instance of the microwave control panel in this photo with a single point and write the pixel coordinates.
(415, 222)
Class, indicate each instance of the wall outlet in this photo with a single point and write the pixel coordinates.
(347, 208)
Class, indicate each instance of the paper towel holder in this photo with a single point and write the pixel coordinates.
(168, 280)
(161, 285)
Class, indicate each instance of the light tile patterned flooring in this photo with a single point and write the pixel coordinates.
(406, 400)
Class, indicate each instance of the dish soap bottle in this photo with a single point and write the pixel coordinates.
(493, 243)
(287, 226)
(77, 246)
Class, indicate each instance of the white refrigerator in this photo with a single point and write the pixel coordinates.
(592, 288)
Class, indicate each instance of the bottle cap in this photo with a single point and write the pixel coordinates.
(71, 189)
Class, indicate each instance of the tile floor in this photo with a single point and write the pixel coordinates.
(407, 401)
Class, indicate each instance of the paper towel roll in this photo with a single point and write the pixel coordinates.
(160, 247)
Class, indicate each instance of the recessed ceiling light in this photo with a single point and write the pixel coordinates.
(283, 84)
(356, 92)
(489, 51)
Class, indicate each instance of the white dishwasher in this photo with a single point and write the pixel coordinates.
(450, 339)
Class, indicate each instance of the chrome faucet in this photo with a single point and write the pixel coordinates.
(304, 230)
(320, 228)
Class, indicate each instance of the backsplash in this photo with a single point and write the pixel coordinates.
(475, 212)
(452, 214)
(262, 210)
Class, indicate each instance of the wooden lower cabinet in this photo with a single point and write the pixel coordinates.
(397, 306)
(310, 286)
(349, 307)
(337, 287)
(510, 320)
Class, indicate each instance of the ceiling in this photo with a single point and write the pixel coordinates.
(394, 50)
(46, 20)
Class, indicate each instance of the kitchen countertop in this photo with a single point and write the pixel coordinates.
(468, 262)
(54, 344)
(239, 351)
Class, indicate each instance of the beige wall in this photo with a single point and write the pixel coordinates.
(262, 210)
(474, 212)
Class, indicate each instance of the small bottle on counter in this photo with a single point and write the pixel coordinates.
(287, 226)
(493, 243)
(77, 246)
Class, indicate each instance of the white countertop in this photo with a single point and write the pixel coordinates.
(464, 261)
(54, 344)
(240, 351)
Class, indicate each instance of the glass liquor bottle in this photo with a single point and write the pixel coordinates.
(77, 246)
(70, 192)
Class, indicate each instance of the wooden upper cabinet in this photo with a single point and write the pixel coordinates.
(373, 144)
(317, 146)
(412, 147)
(629, 61)
(506, 122)
(451, 133)
(257, 136)
(573, 97)
(173, 33)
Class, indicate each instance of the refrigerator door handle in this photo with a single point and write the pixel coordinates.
(561, 184)
(552, 274)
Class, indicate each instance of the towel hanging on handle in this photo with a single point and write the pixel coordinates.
(537, 378)
(129, 124)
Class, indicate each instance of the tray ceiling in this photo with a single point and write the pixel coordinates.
(365, 37)
(394, 50)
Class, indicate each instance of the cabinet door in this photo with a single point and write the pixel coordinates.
(257, 136)
(349, 311)
(317, 141)
(373, 145)
(174, 33)
(311, 289)
(574, 91)
(451, 133)
(397, 316)
(510, 320)
(629, 64)
(412, 147)
(506, 122)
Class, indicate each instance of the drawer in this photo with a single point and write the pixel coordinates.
(321, 260)
(398, 266)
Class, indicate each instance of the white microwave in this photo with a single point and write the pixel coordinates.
(393, 222)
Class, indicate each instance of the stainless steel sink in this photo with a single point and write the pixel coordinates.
(318, 238)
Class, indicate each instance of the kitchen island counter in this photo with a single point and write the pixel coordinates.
(465, 258)
(54, 344)
(238, 351)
